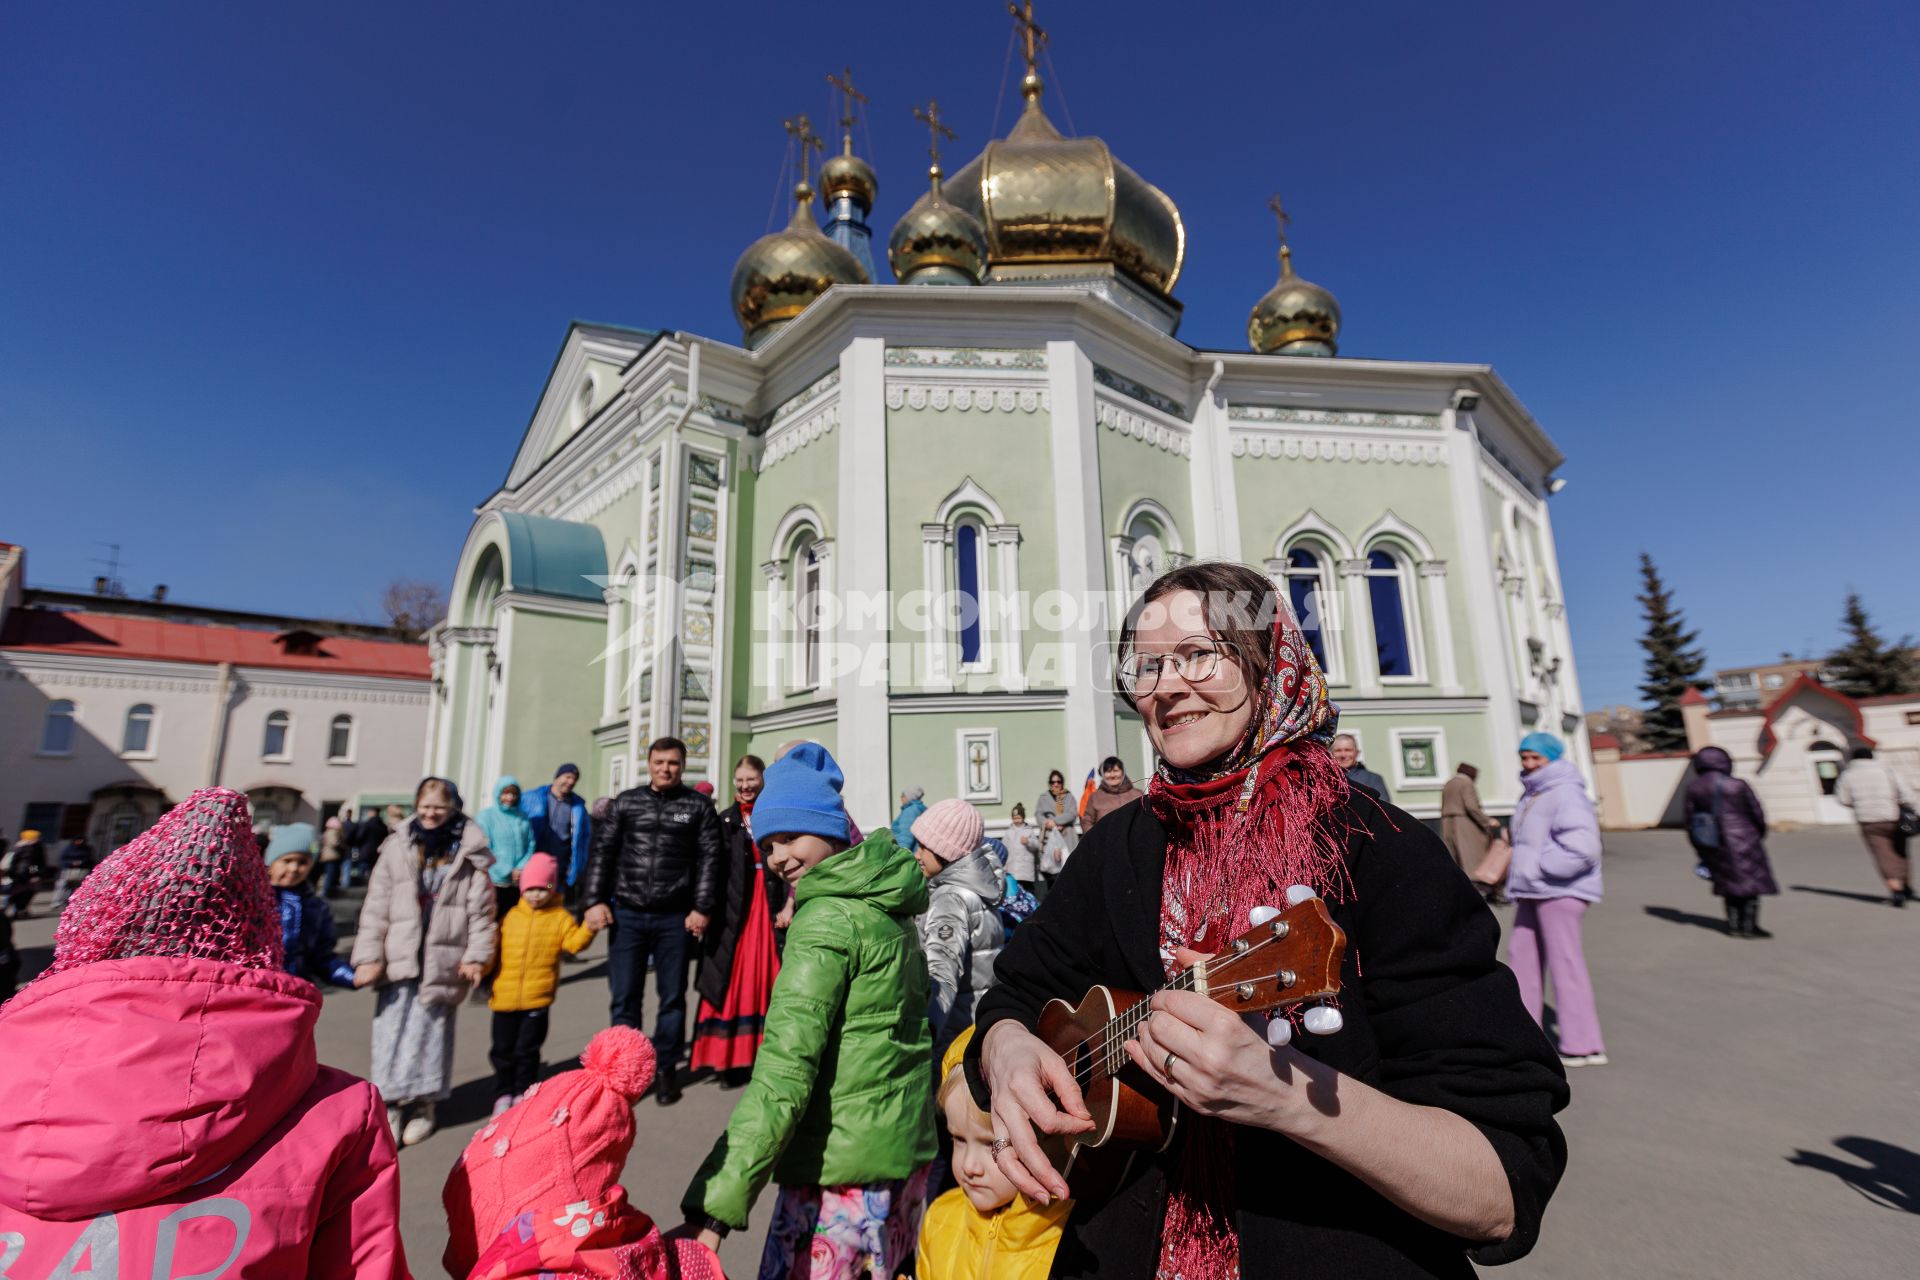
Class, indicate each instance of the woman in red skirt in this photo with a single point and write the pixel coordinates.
(741, 959)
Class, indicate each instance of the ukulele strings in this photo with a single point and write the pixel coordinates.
(1114, 1035)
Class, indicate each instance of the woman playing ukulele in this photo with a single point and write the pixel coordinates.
(1416, 1138)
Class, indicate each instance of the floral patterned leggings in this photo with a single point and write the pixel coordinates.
(844, 1233)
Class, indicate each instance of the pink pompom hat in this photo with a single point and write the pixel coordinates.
(950, 830)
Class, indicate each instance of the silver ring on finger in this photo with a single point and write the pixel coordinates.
(1166, 1064)
(999, 1146)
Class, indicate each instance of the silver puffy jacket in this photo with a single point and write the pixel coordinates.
(962, 936)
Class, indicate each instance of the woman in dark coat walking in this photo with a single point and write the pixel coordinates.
(1408, 1137)
(1737, 854)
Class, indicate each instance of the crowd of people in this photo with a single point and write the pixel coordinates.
(874, 998)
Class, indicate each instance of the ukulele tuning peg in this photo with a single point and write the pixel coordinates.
(1279, 1032)
(1323, 1020)
(1299, 893)
(1260, 915)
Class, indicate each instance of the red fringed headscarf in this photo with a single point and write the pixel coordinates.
(1240, 830)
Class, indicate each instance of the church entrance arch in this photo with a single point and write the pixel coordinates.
(1825, 761)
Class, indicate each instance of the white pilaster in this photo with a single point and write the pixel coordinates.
(1216, 507)
(1365, 651)
(1089, 719)
(1004, 539)
(1433, 573)
(938, 644)
(863, 734)
(1492, 654)
(780, 642)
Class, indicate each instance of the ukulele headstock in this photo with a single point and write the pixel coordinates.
(1292, 958)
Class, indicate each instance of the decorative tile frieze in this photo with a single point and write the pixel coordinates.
(965, 358)
(784, 441)
(1134, 391)
(1331, 417)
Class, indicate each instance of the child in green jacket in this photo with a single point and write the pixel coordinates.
(838, 1112)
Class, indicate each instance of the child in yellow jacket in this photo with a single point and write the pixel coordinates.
(982, 1229)
(532, 936)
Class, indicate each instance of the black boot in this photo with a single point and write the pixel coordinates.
(666, 1087)
(1750, 920)
(1733, 918)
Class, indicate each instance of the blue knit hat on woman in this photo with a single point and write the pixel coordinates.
(1544, 744)
(801, 796)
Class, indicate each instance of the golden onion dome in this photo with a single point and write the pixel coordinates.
(937, 242)
(1048, 199)
(1296, 317)
(848, 175)
(780, 274)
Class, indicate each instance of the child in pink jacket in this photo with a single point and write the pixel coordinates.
(168, 1116)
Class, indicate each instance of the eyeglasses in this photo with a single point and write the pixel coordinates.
(1197, 660)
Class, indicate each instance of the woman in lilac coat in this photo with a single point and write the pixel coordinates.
(1554, 877)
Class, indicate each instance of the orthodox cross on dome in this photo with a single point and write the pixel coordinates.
(1035, 38)
(1281, 216)
(937, 129)
(849, 97)
(801, 131)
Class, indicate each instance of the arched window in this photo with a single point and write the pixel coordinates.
(277, 742)
(56, 732)
(136, 739)
(1310, 592)
(969, 589)
(806, 586)
(623, 638)
(340, 740)
(1392, 600)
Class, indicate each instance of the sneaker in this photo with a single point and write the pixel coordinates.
(502, 1104)
(394, 1119)
(419, 1126)
(1583, 1059)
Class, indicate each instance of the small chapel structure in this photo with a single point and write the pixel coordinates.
(906, 519)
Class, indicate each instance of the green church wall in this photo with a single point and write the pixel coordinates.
(1464, 737)
(929, 454)
(1132, 470)
(553, 691)
(926, 752)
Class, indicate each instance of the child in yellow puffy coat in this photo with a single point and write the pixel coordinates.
(982, 1229)
(532, 936)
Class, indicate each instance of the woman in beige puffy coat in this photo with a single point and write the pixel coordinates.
(426, 938)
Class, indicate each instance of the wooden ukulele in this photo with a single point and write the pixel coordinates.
(1291, 957)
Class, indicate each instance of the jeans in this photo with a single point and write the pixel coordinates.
(659, 937)
(517, 1038)
(1546, 935)
(332, 875)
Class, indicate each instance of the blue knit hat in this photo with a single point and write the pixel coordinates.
(801, 796)
(1544, 744)
(295, 837)
(569, 767)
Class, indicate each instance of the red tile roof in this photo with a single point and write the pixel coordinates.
(1692, 697)
(118, 636)
(1603, 740)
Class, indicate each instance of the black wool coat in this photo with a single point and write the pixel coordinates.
(723, 935)
(1432, 1018)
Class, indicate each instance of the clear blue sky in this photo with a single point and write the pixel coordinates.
(279, 283)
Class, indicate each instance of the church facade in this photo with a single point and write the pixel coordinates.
(905, 520)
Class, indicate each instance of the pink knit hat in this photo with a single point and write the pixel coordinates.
(950, 830)
(536, 1191)
(193, 886)
(540, 872)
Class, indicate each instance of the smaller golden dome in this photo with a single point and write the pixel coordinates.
(781, 274)
(1295, 318)
(848, 175)
(937, 243)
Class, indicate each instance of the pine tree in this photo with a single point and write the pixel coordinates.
(1866, 666)
(1673, 662)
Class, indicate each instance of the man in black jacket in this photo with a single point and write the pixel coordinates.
(654, 874)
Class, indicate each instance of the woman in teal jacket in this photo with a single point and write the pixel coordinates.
(839, 1111)
(510, 836)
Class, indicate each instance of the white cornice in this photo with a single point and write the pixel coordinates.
(824, 711)
(560, 606)
(926, 704)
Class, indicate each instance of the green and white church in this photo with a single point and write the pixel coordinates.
(904, 520)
